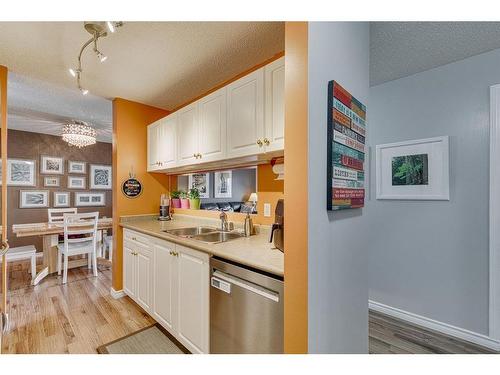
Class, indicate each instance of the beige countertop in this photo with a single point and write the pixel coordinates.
(254, 251)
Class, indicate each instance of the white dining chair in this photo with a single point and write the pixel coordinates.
(56, 215)
(108, 246)
(80, 237)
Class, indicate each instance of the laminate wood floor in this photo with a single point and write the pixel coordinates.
(74, 318)
(393, 336)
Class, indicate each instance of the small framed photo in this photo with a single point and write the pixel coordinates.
(51, 182)
(76, 182)
(417, 169)
(61, 199)
(33, 198)
(84, 199)
(77, 167)
(20, 172)
(200, 181)
(100, 177)
(51, 165)
(223, 182)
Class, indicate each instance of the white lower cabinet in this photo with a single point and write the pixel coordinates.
(171, 282)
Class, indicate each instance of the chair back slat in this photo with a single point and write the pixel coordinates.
(56, 215)
(84, 225)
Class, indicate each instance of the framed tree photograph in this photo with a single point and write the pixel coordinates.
(20, 172)
(413, 170)
(200, 181)
(100, 177)
(223, 182)
(84, 199)
(76, 182)
(78, 167)
(61, 199)
(33, 198)
(51, 165)
(51, 181)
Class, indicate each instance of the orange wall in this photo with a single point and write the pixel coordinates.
(296, 177)
(130, 120)
(269, 190)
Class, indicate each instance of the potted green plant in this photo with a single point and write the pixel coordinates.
(184, 199)
(194, 199)
(176, 198)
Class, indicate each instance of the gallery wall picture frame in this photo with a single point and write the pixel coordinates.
(90, 199)
(413, 170)
(61, 199)
(33, 198)
(77, 167)
(52, 181)
(51, 165)
(223, 184)
(20, 172)
(76, 182)
(101, 177)
(200, 181)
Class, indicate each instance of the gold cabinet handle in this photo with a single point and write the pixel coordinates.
(199, 155)
(266, 141)
(259, 142)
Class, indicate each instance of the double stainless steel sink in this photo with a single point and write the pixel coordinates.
(205, 234)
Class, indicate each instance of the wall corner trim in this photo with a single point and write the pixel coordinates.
(116, 294)
(448, 329)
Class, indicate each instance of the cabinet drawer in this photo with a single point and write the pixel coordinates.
(137, 238)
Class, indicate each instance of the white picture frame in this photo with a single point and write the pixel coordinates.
(51, 165)
(90, 199)
(201, 181)
(33, 198)
(61, 199)
(77, 167)
(51, 181)
(20, 172)
(223, 184)
(76, 182)
(101, 177)
(435, 183)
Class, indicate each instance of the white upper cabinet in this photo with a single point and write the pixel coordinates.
(245, 115)
(187, 135)
(153, 146)
(212, 126)
(275, 105)
(168, 142)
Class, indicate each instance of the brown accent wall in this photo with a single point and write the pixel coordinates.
(27, 145)
(296, 186)
(130, 121)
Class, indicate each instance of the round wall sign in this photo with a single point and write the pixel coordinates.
(132, 188)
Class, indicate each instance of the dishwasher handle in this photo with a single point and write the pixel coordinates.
(224, 277)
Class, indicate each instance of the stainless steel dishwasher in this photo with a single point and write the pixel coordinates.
(246, 310)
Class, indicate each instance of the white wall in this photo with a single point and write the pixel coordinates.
(338, 250)
(431, 258)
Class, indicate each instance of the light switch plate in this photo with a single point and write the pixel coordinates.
(267, 209)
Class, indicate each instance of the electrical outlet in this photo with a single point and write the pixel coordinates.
(267, 209)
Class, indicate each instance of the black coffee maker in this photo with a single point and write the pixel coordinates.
(278, 228)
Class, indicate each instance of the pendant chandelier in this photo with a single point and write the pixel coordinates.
(79, 134)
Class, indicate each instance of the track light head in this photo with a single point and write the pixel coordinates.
(72, 72)
(111, 27)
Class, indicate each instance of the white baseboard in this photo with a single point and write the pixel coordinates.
(117, 293)
(435, 325)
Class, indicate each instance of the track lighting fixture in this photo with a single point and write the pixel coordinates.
(98, 30)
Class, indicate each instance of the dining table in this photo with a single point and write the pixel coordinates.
(50, 233)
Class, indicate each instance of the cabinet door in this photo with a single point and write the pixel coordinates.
(164, 275)
(129, 271)
(192, 299)
(168, 142)
(144, 294)
(153, 140)
(212, 116)
(275, 105)
(187, 135)
(245, 115)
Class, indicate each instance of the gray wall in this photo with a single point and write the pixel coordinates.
(431, 257)
(338, 253)
(244, 184)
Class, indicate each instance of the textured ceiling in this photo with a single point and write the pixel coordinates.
(159, 63)
(42, 107)
(400, 49)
